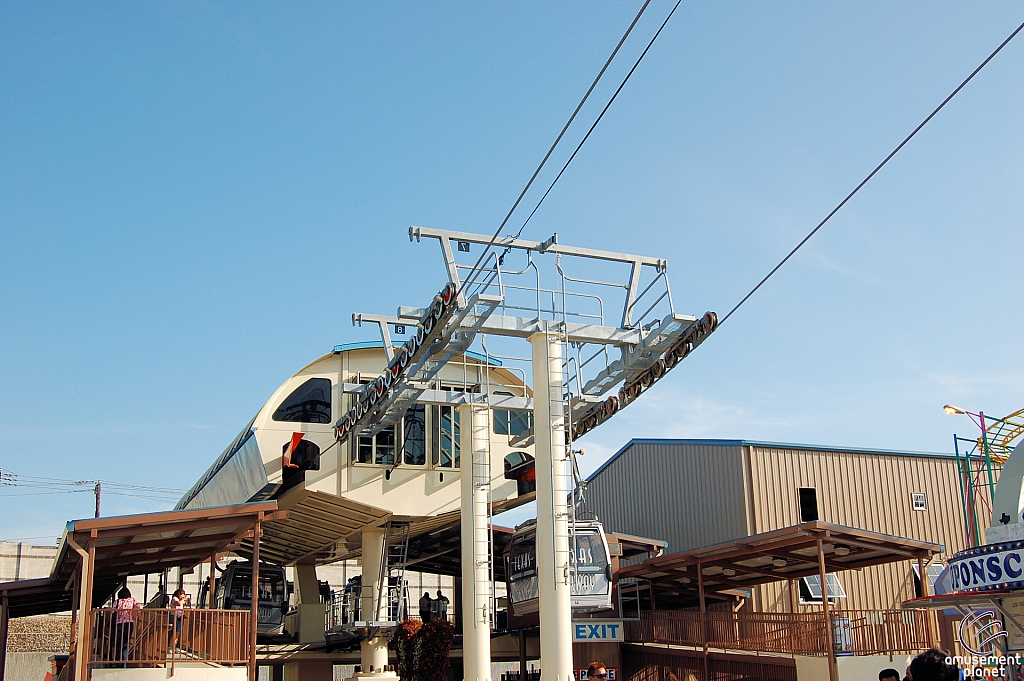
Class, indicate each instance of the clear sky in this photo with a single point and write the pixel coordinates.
(194, 198)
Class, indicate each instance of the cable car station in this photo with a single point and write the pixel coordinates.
(397, 452)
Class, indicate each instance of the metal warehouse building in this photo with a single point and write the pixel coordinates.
(695, 493)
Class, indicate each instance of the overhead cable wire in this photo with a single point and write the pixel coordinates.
(580, 145)
(476, 267)
(11, 479)
(872, 174)
(4, 495)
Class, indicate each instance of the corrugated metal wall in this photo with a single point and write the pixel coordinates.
(858, 489)
(688, 495)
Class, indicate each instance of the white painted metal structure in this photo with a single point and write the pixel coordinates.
(340, 490)
(563, 325)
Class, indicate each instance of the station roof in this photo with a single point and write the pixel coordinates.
(765, 444)
(134, 545)
(779, 555)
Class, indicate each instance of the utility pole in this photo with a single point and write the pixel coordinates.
(96, 491)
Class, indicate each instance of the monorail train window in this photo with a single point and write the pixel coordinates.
(512, 422)
(309, 403)
(444, 437)
(414, 445)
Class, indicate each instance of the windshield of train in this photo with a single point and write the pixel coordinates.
(271, 587)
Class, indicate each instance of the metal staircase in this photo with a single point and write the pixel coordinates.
(392, 566)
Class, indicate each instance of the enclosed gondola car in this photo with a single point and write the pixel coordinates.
(590, 568)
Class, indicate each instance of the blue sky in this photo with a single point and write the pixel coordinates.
(195, 197)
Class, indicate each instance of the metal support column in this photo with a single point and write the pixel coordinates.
(553, 488)
(476, 578)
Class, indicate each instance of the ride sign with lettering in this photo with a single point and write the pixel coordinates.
(986, 568)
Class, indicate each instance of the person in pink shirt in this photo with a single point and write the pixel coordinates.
(127, 609)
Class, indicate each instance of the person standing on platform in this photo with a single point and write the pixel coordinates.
(127, 609)
(442, 605)
(426, 603)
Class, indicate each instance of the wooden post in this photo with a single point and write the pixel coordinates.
(792, 610)
(83, 651)
(703, 619)
(829, 635)
(522, 654)
(75, 614)
(254, 601)
(5, 618)
(924, 594)
(210, 602)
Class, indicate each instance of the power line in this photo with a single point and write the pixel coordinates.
(580, 145)
(36, 494)
(872, 173)
(469, 278)
(15, 479)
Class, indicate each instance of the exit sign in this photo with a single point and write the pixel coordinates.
(597, 631)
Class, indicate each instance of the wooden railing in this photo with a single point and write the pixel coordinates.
(158, 637)
(855, 632)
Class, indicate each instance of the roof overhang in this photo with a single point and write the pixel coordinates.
(135, 545)
(780, 555)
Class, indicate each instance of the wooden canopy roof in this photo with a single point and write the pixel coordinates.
(134, 545)
(784, 554)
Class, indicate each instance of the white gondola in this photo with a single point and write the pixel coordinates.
(233, 591)
(590, 568)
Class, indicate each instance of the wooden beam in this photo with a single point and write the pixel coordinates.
(751, 570)
(229, 524)
(245, 512)
(836, 567)
(161, 543)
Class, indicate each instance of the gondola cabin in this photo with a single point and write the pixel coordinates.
(233, 591)
(590, 564)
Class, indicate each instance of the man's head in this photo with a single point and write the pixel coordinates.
(889, 675)
(597, 670)
(931, 666)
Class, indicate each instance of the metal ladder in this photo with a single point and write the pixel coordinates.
(393, 560)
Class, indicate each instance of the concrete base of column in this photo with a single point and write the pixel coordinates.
(374, 654)
(373, 676)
